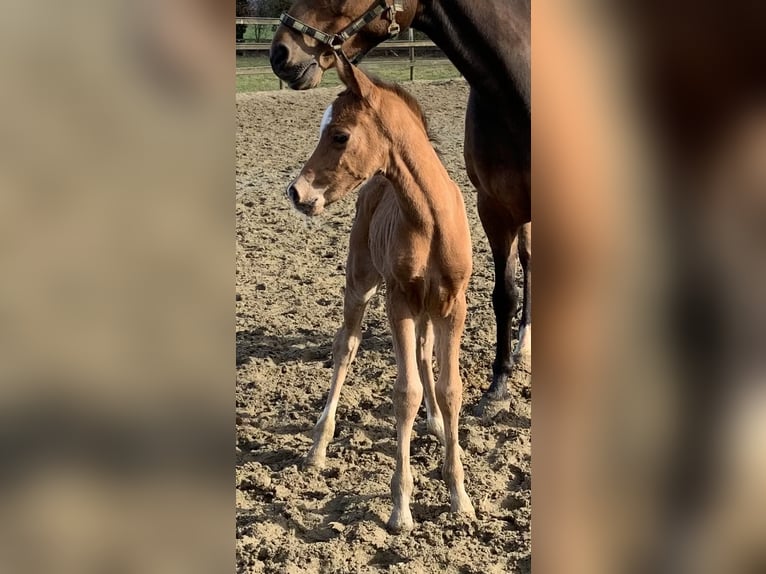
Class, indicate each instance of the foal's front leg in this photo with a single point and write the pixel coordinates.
(408, 392)
(343, 352)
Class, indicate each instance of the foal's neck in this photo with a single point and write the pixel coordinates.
(424, 188)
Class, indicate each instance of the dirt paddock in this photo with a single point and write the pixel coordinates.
(290, 275)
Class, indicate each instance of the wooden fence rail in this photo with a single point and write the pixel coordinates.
(410, 44)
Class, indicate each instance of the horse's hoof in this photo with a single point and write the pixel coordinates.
(498, 391)
(488, 404)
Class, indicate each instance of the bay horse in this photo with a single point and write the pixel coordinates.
(489, 43)
(411, 232)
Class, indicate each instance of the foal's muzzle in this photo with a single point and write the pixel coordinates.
(304, 197)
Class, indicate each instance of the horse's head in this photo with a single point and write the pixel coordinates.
(351, 146)
(300, 59)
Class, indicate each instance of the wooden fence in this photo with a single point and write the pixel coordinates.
(409, 44)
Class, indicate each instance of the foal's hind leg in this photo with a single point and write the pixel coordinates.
(425, 330)
(359, 290)
(502, 235)
(449, 394)
(408, 393)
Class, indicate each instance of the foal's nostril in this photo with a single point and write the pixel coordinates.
(292, 193)
(278, 56)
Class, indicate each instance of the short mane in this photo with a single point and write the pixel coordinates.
(407, 98)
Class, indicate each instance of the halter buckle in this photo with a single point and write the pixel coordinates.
(393, 27)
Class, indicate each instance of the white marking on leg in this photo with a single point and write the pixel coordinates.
(524, 345)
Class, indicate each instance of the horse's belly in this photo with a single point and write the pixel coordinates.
(497, 156)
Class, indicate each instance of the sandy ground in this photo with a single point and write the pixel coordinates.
(290, 274)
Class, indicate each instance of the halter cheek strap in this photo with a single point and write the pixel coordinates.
(335, 41)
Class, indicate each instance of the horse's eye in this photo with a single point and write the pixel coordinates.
(340, 138)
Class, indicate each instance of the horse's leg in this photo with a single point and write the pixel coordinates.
(408, 393)
(360, 287)
(425, 366)
(522, 353)
(449, 394)
(502, 235)
(497, 158)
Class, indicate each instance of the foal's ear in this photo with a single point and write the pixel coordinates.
(354, 78)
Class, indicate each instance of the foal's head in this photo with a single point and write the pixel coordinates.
(355, 139)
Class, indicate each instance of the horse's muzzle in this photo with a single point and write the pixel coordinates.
(299, 76)
(278, 56)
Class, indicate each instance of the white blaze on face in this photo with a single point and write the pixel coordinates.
(326, 119)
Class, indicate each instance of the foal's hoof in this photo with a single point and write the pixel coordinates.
(400, 523)
(464, 507)
(314, 460)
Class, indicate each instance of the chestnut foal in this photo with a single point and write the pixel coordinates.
(410, 231)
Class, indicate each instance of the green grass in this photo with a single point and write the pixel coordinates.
(397, 71)
(251, 61)
(262, 34)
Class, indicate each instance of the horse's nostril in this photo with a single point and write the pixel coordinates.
(292, 193)
(278, 57)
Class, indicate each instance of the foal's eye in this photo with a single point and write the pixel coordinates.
(340, 138)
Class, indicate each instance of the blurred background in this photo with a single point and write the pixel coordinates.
(649, 192)
(117, 285)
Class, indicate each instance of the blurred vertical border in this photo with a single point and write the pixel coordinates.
(117, 284)
(649, 178)
(117, 287)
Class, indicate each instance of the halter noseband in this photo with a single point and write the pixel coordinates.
(335, 41)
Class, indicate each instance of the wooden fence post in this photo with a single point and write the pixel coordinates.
(412, 54)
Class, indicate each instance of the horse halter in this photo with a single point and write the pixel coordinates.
(335, 41)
